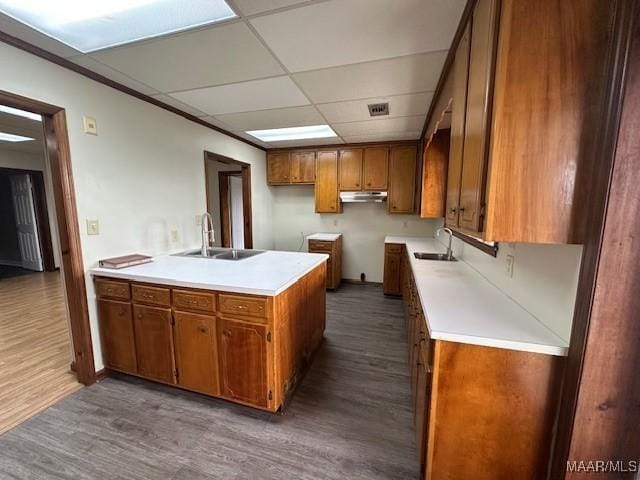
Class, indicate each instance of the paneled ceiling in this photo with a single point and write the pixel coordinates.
(287, 63)
(25, 127)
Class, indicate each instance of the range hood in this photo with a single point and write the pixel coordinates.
(363, 197)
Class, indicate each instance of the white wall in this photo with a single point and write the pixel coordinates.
(363, 226)
(214, 194)
(544, 282)
(142, 175)
(34, 161)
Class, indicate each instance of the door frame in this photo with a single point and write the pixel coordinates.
(42, 214)
(245, 171)
(54, 123)
(226, 230)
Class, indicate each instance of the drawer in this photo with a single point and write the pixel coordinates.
(393, 248)
(112, 289)
(196, 301)
(151, 295)
(320, 245)
(240, 305)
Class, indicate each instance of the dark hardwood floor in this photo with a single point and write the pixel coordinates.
(350, 418)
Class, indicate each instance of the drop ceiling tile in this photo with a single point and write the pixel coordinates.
(179, 105)
(97, 67)
(383, 127)
(34, 37)
(253, 139)
(412, 74)
(357, 110)
(216, 122)
(391, 137)
(307, 143)
(358, 31)
(210, 56)
(277, 118)
(251, 7)
(245, 97)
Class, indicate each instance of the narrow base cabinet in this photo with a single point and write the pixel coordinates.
(248, 349)
(394, 265)
(333, 248)
(481, 413)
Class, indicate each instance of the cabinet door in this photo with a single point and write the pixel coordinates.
(391, 283)
(376, 169)
(351, 169)
(278, 168)
(303, 167)
(154, 343)
(423, 381)
(434, 175)
(476, 132)
(116, 332)
(243, 361)
(458, 109)
(327, 200)
(196, 352)
(402, 179)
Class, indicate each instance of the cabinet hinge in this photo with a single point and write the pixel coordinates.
(482, 209)
(173, 321)
(270, 395)
(176, 373)
(268, 336)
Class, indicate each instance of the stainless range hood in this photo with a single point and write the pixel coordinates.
(363, 197)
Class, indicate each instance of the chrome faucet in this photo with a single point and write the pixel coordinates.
(208, 236)
(448, 230)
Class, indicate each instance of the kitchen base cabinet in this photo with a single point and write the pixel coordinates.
(196, 352)
(481, 413)
(333, 248)
(248, 349)
(393, 268)
(243, 361)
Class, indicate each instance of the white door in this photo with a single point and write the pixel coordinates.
(26, 222)
(237, 212)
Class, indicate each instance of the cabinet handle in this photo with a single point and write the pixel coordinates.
(203, 329)
(147, 295)
(139, 315)
(241, 307)
(226, 332)
(357, 184)
(461, 209)
(453, 210)
(109, 290)
(369, 184)
(393, 207)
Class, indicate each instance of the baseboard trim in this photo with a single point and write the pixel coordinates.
(101, 374)
(352, 281)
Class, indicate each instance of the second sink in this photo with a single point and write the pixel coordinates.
(434, 256)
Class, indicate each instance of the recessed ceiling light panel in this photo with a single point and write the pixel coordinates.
(20, 113)
(10, 137)
(293, 133)
(89, 25)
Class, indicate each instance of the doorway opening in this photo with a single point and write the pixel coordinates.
(228, 193)
(45, 341)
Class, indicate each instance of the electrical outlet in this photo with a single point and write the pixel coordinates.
(174, 236)
(199, 220)
(335, 222)
(405, 224)
(93, 227)
(90, 125)
(510, 261)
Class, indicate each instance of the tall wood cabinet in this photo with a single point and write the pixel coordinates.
(526, 109)
(326, 190)
(402, 179)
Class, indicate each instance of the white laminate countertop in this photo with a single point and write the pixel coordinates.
(327, 237)
(269, 273)
(460, 305)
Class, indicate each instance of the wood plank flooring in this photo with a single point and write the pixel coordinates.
(35, 346)
(349, 419)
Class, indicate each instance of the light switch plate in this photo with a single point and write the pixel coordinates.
(199, 220)
(90, 125)
(93, 227)
(174, 236)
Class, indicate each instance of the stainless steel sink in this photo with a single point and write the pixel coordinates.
(218, 253)
(434, 256)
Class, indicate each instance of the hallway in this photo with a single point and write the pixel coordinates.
(35, 346)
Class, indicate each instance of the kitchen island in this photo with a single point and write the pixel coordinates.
(242, 330)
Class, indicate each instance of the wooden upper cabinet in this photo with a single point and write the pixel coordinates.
(303, 167)
(116, 333)
(375, 171)
(278, 168)
(434, 175)
(154, 342)
(326, 190)
(458, 109)
(548, 111)
(243, 361)
(350, 169)
(196, 352)
(402, 179)
(478, 111)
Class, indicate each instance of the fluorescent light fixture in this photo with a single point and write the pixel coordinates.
(10, 137)
(90, 25)
(20, 113)
(293, 133)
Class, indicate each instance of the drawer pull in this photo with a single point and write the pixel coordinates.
(226, 332)
(148, 295)
(203, 329)
(241, 307)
